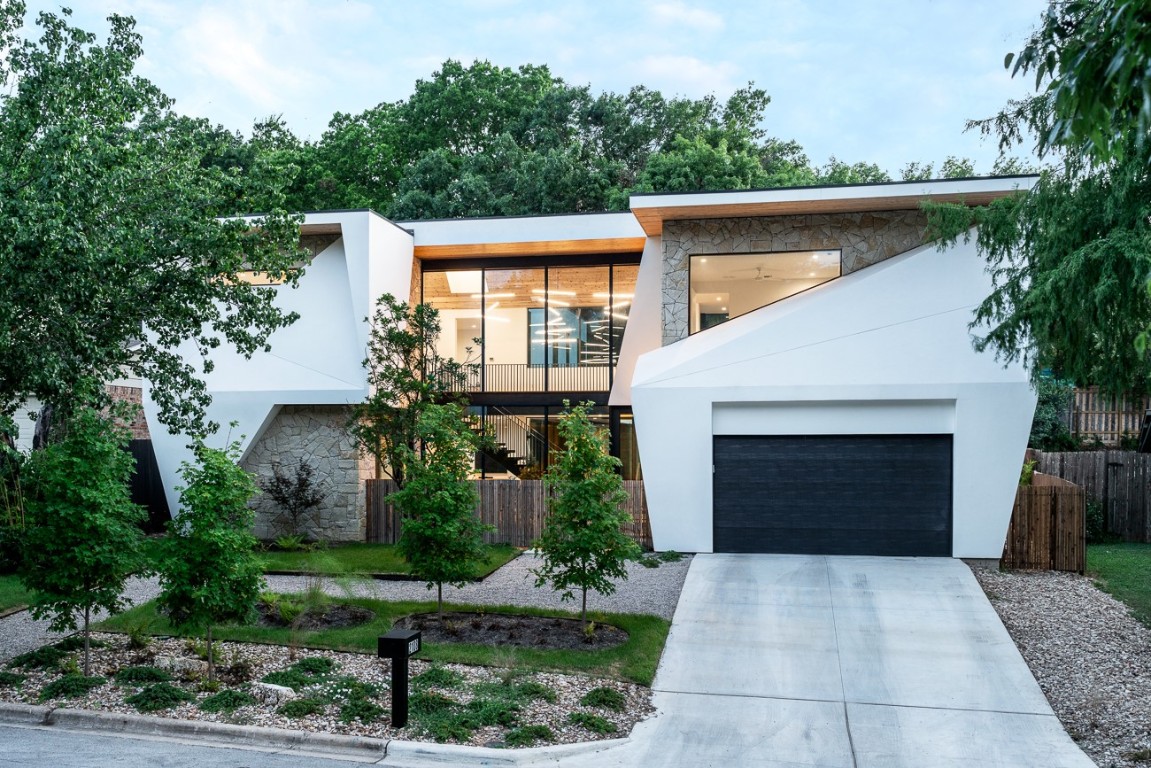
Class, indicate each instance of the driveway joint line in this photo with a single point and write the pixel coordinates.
(839, 662)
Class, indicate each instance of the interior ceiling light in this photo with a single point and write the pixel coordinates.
(553, 292)
(494, 296)
(558, 302)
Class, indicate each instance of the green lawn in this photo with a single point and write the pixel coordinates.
(1124, 570)
(12, 593)
(635, 660)
(363, 559)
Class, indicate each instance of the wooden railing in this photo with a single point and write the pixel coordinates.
(516, 509)
(1048, 527)
(519, 377)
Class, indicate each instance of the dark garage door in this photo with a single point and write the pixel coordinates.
(833, 494)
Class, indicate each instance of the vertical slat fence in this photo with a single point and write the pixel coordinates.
(1048, 527)
(1109, 419)
(1119, 480)
(516, 509)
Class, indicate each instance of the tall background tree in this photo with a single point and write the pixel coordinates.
(1070, 260)
(112, 249)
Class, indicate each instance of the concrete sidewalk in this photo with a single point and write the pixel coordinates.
(853, 662)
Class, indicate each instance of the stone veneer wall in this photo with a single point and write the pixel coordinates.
(862, 238)
(318, 435)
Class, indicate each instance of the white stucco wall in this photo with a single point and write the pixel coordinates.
(315, 361)
(882, 351)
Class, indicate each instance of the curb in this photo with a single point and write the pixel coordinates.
(412, 754)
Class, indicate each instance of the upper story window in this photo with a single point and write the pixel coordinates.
(723, 286)
(534, 328)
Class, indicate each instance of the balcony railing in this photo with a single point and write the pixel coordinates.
(518, 377)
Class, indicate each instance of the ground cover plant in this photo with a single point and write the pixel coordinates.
(1124, 571)
(370, 559)
(345, 693)
(634, 660)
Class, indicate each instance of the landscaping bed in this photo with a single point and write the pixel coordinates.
(342, 693)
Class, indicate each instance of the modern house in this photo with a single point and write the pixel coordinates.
(794, 366)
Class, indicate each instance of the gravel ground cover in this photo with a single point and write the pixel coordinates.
(647, 590)
(1091, 657)
(465, 705)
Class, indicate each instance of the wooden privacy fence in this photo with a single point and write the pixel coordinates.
(1108, 418)
(1048, 527)
(1119, 480)
(515, 508)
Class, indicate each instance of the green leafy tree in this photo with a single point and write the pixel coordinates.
(209, 570)
(1092, 65)
(112, 249)
(1049, 430)
(440, 536)
(83, 536)
(583, 545)
(696, 164)
(1070, 260)
(406, 374)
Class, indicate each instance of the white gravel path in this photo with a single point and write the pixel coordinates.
(647, 590)
(1091, 657)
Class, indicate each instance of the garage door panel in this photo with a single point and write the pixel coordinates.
(833, 494)
(805, 541)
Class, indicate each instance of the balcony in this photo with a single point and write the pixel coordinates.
(517, 377)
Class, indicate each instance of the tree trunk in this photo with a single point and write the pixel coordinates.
(583, 608)
(440, 600)
(87, 639)
(43, 430)
(211, 659)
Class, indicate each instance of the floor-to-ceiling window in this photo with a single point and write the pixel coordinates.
(533, 329)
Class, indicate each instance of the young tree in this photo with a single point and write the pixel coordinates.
(83, 535)
(440, 536)
(295, 492)
(583, 545)
(112, 246)
(406, 374)
(209, 571)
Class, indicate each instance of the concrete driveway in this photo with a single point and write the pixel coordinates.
(788, 660)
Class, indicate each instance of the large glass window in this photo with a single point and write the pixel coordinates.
(555, 329)
(724, 286)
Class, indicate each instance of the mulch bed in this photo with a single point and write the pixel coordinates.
(334, 616)
(519, 631)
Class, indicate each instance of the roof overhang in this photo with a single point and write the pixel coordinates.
(651, 211)
(526, 236)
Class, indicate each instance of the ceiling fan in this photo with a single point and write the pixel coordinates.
(758, 275)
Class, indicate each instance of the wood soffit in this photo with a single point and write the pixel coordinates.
(652, 219)
(532, 248)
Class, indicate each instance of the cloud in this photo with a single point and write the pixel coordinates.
(677, 12)
(686, 75)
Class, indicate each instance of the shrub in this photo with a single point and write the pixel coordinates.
(290, 678)
(295, 492)
(76, 643)
(228, 700)
(670, 556)
(483, 712)
(70, 687)
(527, 735)
(605, 698)
(430, 704)
(593, 723)
(315, 665)
(534, 690)
(159, 696)
(297, 708)
(11, 680)
(41, 658)
(347, 688)
(437, 677)
(360, 709)
(1096, 523)
(139, 675)
(290, 543)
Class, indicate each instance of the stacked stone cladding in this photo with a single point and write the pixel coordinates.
(318, 435)
(863, 239)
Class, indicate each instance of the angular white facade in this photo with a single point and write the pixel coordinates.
(885, 350)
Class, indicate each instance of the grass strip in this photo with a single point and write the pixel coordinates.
(359, 559)
(1124, 571)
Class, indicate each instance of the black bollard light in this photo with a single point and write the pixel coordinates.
(398, 645)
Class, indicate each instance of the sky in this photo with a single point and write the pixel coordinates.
(878, 81)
